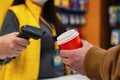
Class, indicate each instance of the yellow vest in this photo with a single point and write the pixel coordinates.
(26, 65)
(4, 5)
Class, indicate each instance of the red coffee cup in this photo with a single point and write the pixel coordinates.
(69, 40)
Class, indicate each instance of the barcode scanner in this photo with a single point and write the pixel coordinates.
(27, 32)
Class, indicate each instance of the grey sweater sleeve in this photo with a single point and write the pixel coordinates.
(10, 24)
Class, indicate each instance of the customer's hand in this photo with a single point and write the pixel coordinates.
(11, 45)
(74, 59)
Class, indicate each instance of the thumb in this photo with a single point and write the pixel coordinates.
(15, 33)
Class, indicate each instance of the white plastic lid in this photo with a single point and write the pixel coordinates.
(67, 36)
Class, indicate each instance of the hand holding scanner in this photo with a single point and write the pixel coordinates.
(27, 32)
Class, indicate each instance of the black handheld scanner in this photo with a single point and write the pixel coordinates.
(28, 32)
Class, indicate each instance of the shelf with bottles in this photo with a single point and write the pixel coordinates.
(114, 21)
(72, 12)
(72, 19)
(114, 16)
(115, 36)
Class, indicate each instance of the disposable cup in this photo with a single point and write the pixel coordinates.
(69, 40)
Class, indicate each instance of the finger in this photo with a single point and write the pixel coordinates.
(22, 42)
(11, 56)
(16, 50)
(20, 48)
(68, 67)
(65, 53)
(69, 53)
(2, 57)
(17, 54)
(15, 33)
(14, 55)
(19, 51)
(83, 41)
(66, 61)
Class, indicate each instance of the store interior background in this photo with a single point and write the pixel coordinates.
(97, 28)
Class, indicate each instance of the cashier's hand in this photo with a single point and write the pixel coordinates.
(74, 59)
(11, 45)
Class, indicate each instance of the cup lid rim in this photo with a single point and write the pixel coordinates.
(67, 36)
